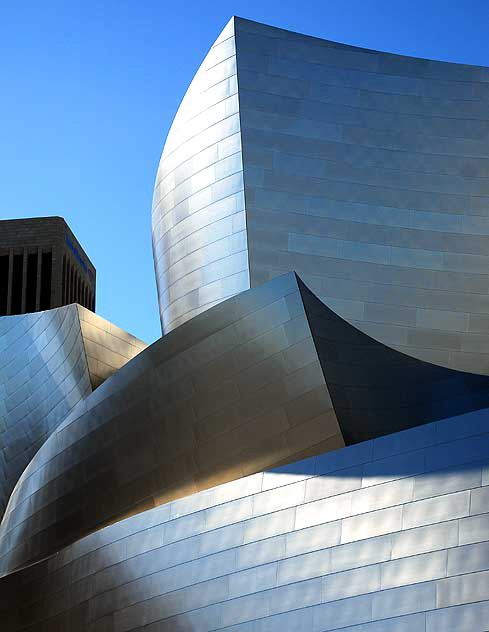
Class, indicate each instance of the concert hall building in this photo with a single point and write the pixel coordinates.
(306, 447)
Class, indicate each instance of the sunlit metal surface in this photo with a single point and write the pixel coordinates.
(264, 378)
(199, 231)
(233, 391)
(49, 362)
(43, 374)
(390, 534)
(368, 174)
(365, 172)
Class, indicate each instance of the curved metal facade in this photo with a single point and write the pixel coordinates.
(43, 374)
(144, 504)
(391, 534)
(368, 174)
(98, 466)
(49, 362)
(365, 172)
(263, 379)
(199, 228)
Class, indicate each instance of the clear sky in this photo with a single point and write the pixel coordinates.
(89, 89)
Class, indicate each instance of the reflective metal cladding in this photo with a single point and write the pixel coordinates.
(49, 362)
(365, 172)
(43, 374)
(306, 449)
(234, 391)
(263, 379)
(388, 535)
(199, 228)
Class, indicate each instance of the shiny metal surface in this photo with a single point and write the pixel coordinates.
(265, 378)
(43, 375)
(107, 346)
(199, 229)
(365, 172)
(49, 362)
(233, 391)
(368, 174)
(376, 390)
(388, 535)
(147, 507)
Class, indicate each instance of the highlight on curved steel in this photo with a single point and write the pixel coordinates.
(43, 374)
(198, 219)
(301, 451)
(365, 172)
(388, 534)
(264, 378)
(49, 362)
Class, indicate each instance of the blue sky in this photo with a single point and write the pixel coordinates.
(89, 89)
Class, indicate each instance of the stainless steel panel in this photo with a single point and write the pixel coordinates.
(201, 167)
(367, 173)
(164, 570)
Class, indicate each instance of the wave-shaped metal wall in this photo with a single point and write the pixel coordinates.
(365, 172)
(368, 174)
(390, 534)
(263, 379)
(49, 362)
(199, 231)
(43, 375)
(235, 390)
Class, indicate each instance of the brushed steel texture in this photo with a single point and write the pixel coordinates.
(367, 173)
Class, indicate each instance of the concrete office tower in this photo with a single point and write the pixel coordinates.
(365, 172)
(273, 463)
(42, 266)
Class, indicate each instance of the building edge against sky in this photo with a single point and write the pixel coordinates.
(198, 215)
(42, 266)
(365, 172)
(264, 379)
(147, 506)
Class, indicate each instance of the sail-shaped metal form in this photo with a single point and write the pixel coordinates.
(306, 449)
(365, 172)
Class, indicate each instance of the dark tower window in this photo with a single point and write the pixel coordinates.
(42, 266)
(46, 280)
(31, 283)
(63, 282)
(16, 307)
(72, 284)
(3, 284)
